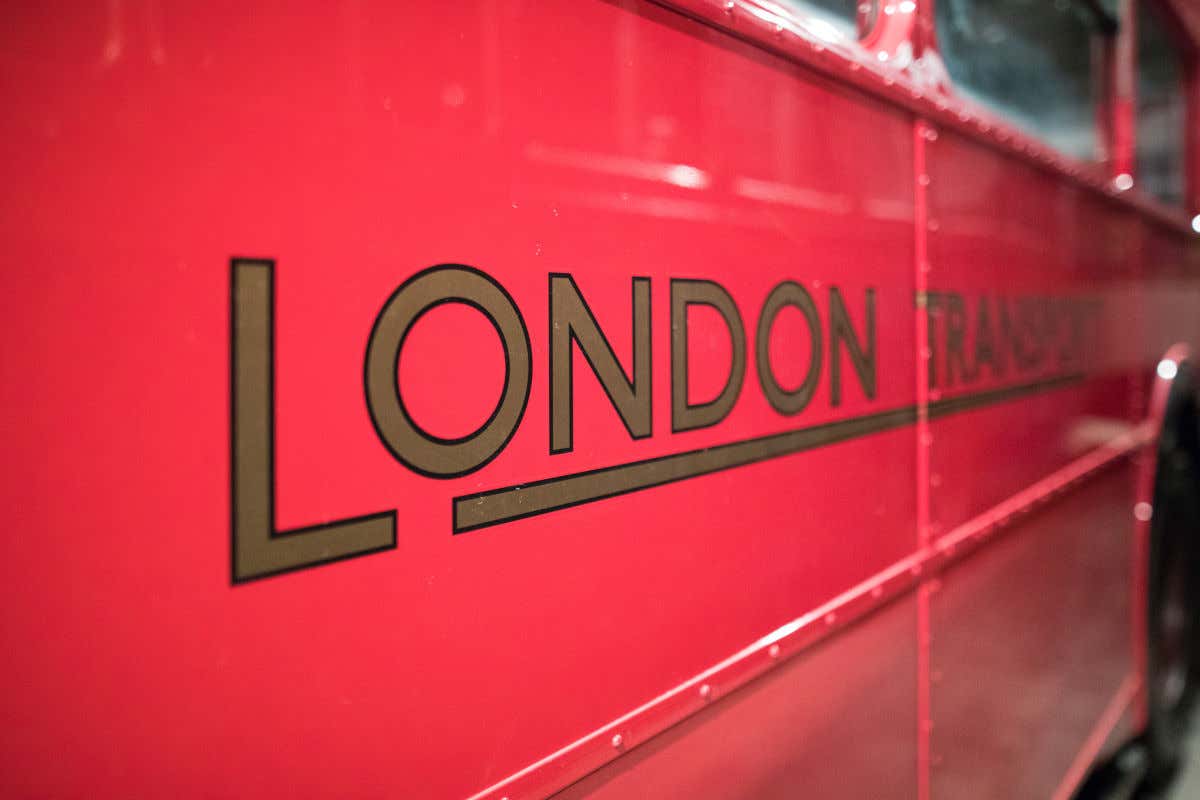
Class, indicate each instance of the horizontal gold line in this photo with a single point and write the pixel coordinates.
(966, 402)
(516, 502)
(507, 504)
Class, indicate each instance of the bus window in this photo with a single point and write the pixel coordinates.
(1036, 62)
(1160, 109)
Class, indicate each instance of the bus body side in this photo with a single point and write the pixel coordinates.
(870, 533)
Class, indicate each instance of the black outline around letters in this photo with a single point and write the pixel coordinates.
(573, 341)
(269, 263)
(507, 373)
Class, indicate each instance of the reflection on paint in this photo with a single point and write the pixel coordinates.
(787, 194)
(682, 175)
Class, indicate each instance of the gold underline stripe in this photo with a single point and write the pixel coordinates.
(510, 503)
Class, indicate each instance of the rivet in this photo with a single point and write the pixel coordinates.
(916, 569)
(618, 741)
(926, 266)
(830, 618)
(927, 439)
(729, 7)
(923, 180)
(931, 134)
(935, 480)
(778, 30)
(926, 353)
(773, 651)
(706, 691)
(877, 592)
(927, 725)
(933, 225)
(855, 66)
(935, 760)
(1143, 511)
(935, 394)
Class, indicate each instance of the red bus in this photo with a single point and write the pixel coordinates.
(697, 399)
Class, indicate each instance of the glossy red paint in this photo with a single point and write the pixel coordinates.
(787, 729)
(860, 617)
(1018, 696)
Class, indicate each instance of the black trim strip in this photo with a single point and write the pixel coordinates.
(510, 503)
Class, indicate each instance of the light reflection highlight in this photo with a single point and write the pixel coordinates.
(787, 194)
(682, 175)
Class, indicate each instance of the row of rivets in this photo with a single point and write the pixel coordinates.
(938, 560)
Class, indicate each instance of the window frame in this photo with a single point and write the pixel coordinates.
(1188, 50)
(1104, 126)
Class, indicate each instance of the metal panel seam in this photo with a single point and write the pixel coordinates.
(924, 441)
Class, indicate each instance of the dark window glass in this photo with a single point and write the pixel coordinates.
(1160, 109)
(1036, 62)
